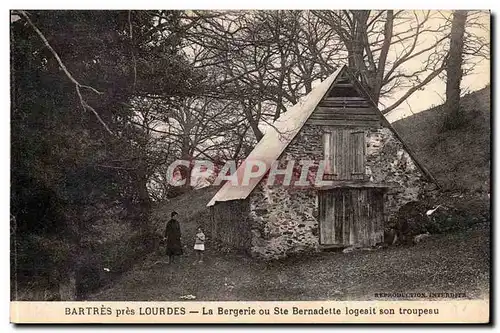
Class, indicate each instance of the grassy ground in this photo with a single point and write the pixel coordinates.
(460, 158)
(457, 262)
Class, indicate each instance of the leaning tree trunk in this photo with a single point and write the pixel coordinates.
(454, 69)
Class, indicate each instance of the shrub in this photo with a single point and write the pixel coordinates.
(457, 212)
(39, 263)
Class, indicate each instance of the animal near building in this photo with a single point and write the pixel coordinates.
(369, 170)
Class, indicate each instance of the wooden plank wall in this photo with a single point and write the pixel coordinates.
(345, 111)
(351, 217)
(357, 149)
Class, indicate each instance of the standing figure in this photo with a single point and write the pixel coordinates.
(173, 238)
(199, 244)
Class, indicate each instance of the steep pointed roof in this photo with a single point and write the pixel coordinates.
(284, 130)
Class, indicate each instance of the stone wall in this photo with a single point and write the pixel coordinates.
(230, 225)
(388, 162)
(285, 219)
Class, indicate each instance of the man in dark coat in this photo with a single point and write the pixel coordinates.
(173, 238)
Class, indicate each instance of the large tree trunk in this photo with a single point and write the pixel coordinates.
(144, 199)
(360, 55)
(356, 48)
(380, 70)
(454, 69)
(186, 156)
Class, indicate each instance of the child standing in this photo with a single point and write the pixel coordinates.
(199, 244)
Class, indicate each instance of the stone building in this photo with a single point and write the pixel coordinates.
(365, 170)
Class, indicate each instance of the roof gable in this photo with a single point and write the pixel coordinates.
(285, 128)
(345, 105)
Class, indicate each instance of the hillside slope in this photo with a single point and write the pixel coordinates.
(459, 159)
(192, 212)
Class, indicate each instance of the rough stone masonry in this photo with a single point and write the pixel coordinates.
(284, 220)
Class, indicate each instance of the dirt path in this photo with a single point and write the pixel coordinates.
(454, 263)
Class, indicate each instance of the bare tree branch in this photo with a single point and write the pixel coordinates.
(415, 88)
(78, 85)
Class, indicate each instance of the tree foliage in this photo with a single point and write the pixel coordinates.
(77, 156)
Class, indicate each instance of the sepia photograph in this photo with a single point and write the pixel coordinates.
(291, 162)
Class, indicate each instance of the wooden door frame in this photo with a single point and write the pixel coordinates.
(382, 191)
